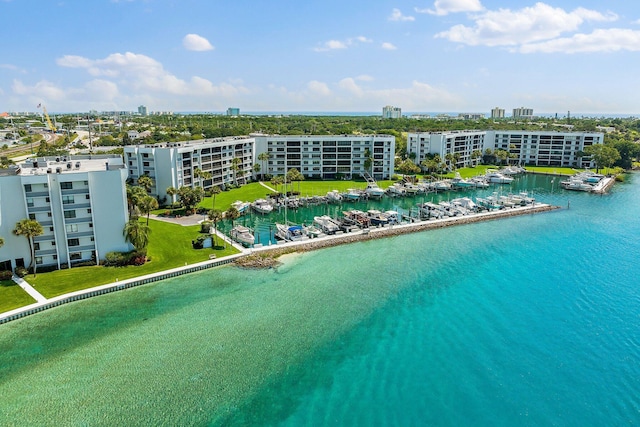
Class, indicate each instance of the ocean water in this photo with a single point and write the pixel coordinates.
(532, 320)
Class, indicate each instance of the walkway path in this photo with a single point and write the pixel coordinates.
(267, 187)
(30, 289)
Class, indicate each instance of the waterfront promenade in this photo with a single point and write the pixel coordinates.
(303, 245)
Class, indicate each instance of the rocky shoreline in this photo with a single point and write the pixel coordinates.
(267, 257)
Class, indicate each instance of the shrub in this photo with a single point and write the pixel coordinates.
(115, 259)
(21, 271)
(198, 243)
(6, 275)
(205, 227)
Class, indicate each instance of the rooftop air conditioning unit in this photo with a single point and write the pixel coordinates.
(58, 170)
(48, 170)
(77, 165)
(69, 165)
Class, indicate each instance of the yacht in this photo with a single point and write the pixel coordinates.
(496, 177)
(241, 207)
(334, 196)
(289, 232)
(242, 235)
(326, 224)
(262, 206)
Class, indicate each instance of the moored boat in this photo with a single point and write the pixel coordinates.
(326, 224)
(334, 196)
(262, 206)
(241, 207)
(496, 177)
(289, 232)
(242, 235)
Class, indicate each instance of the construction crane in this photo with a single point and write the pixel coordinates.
(46, 115)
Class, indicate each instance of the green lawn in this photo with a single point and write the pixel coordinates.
(13, 296)
(169, 247)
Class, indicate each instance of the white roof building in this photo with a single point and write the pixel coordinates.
(79, 201)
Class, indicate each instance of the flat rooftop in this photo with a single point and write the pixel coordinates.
(66, 165)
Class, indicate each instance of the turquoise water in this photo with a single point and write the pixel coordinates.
(533, 320)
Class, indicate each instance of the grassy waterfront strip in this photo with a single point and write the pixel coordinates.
(266, 256)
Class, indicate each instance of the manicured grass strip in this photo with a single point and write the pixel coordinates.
(169, 247)
(13, 296)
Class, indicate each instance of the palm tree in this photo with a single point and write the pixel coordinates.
(136, 233)
(264, 157)
(235, 167)
(134, 195)
(215, 190)
(215, 215)
(146, 182)
(256, 168)
(29, 228)
(277, 180)
(172, 191)
(147, 204)
(232, 214)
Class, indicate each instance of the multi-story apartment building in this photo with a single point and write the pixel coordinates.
(461, 144)
(328, 156)
(497, 113)
(540, 148)
(389, 112)
(80, 202)
(175, 164)
(546, 148)
(522, 113)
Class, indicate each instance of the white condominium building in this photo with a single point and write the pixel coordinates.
(545, 148)
(390, 112)
(522, 113)
(175, 164)
(80, 202)
(328, 156)
(461, 144)
(539, 148)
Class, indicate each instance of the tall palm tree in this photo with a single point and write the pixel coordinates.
(236, 163)
(171, 191)
(134, 195)
(146, 205)
(136, 233)
(29, 228)
(215, 190)
(264, 157)
(215, 215)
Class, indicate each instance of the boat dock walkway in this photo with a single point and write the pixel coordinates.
(28, 288)
(604, 185)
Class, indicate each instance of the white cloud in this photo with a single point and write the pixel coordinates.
(43, 90)
(505, 27)
(396, 15)
(331, 45)
(388, 46)
(319, 88)
(196, 42)
(361, 39)
(365, 78)
(609, 40)
(340, 44)
(445, 7)
(140, 73)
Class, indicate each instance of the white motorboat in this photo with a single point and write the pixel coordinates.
(334, 196)
(396, 190)
(576, 184)
(289, 232)
(242, 207)
(262, 206)
(242, 235)
(326, 224)
(496, 177)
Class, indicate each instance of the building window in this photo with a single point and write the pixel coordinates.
(89, 210)
(55, 257)
(72, 228)
(93, 239)
(49, 214)
(70, 214)
(75, 256)
(66, 185)
(73, 242)
(38, 260)
(29, 202)
(48, 200)
(32, 216)
(27, 188)
(36, 246)
(87, 197)
(67, 200)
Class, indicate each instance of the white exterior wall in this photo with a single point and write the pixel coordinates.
(82, 210)
(173, 164)
(326, 156)
(540, 148)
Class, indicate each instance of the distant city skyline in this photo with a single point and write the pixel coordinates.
(466, 56)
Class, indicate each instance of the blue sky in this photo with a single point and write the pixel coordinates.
(352, 55)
